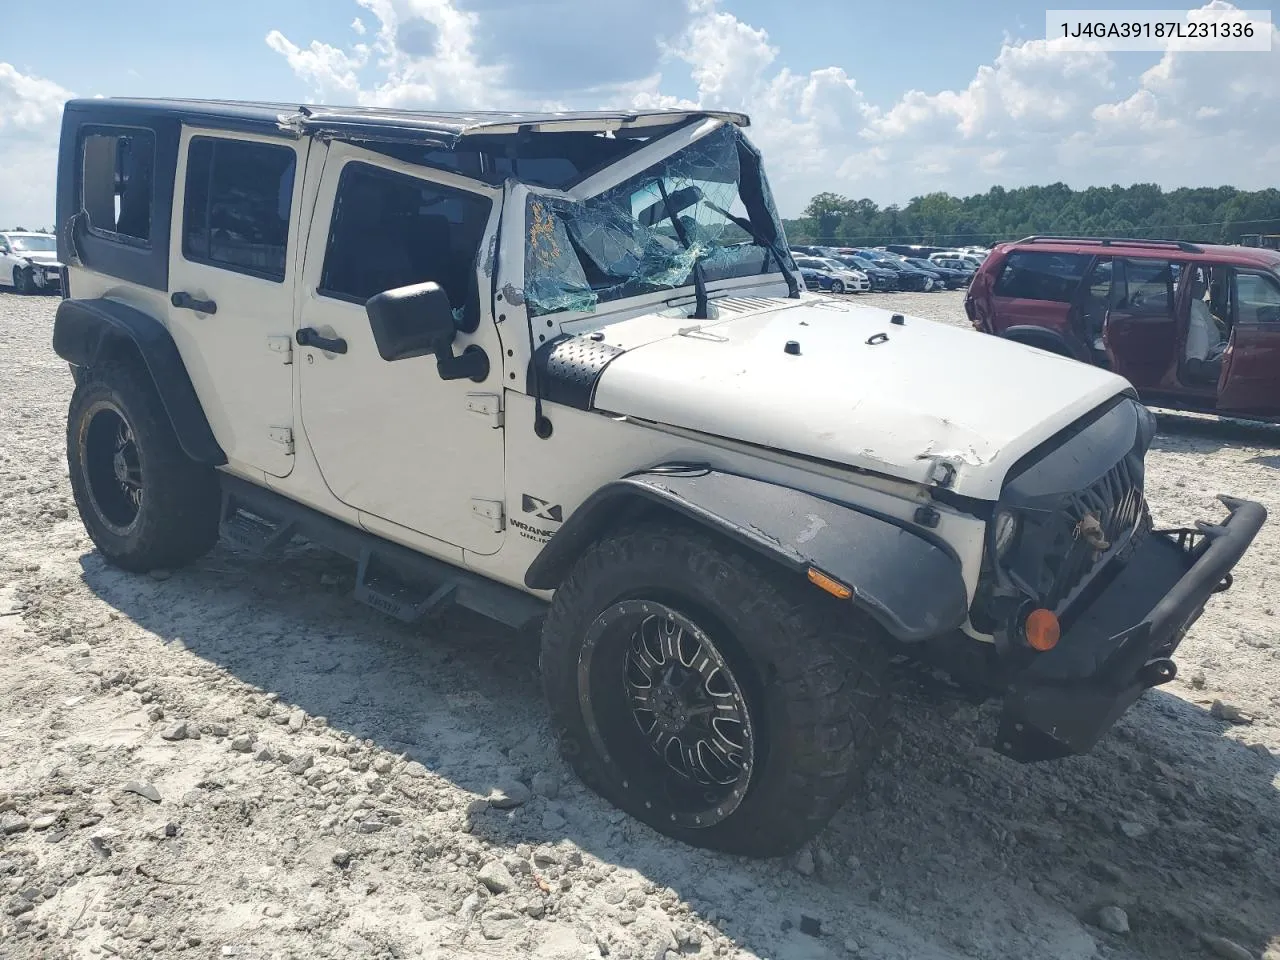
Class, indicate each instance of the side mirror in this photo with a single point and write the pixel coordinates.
(416, 321)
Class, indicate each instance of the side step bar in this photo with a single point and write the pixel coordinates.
(390, 578)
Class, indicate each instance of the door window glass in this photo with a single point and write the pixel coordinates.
(236, 212)
(116, 183)
(390, 230)
(1257, 299)
(1148, 287)
(1032, 275)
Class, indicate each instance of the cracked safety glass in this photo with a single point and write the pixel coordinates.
(690, 213)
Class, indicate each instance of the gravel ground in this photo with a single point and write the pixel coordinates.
(237, 760)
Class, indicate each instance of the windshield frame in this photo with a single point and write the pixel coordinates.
(513, 243)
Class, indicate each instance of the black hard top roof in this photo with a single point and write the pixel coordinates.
(379, 123)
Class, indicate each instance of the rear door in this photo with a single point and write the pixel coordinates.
(231, 277)
(1250, 381)
(1036, 288)
(1141, 330)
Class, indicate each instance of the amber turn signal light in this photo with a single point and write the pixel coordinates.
(1042, 630)
(829, 584)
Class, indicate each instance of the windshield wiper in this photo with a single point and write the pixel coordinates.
(700, 304)
(749, 228)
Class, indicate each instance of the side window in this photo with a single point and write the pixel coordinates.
(236, 209)
(116, 183)
(1149, 286)
(390, 230)
(1257, 298)
(1032, 275)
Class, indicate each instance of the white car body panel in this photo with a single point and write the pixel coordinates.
(930, 392)
(25, 258)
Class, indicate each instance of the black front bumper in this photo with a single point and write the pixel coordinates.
(1121, 645)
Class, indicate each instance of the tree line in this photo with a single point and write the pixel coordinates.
(1204, 214)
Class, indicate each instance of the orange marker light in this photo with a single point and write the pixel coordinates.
(829, 584)
(1042, 630)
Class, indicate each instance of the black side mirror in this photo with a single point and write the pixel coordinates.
(416, 321)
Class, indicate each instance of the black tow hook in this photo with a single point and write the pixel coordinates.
(1156, 672)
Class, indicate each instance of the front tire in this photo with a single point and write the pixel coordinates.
(144, 503)
(837, 286)
(723, 702)
(21, 281)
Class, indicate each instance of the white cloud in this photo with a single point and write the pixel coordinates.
(1039, 112)
(30, 109)
(328, 70)
(358, 26)
(28, 103)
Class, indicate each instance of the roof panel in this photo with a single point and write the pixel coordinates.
(382, 123)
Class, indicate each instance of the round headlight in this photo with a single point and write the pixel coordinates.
(1005, 532)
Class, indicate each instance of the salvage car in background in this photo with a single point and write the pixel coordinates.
(821, 273)
(957, 261)
(909, 277)
(881, 278)
(951, 279)
(1191, 326)
(29, 261)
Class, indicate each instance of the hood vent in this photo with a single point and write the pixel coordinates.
(747, 304)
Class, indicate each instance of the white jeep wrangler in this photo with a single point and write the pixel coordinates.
(562, 368)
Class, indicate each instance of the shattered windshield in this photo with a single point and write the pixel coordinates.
(706, 208)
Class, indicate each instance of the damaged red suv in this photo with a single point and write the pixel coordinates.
(1193, 327)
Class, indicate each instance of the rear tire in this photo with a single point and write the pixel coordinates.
(723, 702)
(144, 503)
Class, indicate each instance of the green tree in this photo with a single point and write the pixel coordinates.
(827, 211)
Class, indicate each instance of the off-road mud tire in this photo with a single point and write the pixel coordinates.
(812, 669)
(177, 518)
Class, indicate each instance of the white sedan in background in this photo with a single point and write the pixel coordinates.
(29, 262)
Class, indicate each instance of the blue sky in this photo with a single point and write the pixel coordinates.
(216, 50)
(880, 99)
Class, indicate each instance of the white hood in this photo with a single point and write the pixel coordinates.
(929, 392)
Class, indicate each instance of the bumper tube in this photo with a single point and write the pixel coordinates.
(1121, 645)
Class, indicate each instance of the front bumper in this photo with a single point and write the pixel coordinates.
(46, 275)
(1120, 646)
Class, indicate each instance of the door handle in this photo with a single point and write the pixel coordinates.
(185, 301)
(310, 337)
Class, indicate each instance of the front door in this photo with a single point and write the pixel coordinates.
(392, 438)
(1141, 330)
(1251, 374)
(231, 282)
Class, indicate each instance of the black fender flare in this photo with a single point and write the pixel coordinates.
(907, 581)
(1041, 337)
(84, 329)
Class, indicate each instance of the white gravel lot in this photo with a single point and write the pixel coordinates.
(238, 760)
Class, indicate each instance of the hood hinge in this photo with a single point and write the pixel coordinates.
(490, 512)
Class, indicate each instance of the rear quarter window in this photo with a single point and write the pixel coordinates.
(1033, 275)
